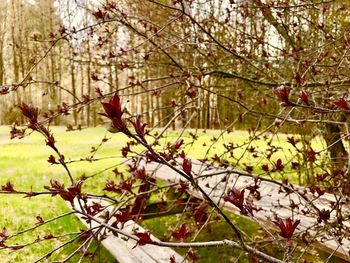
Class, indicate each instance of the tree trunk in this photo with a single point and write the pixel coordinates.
(336, 149)
(74, 90)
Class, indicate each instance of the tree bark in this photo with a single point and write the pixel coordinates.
(336, 149)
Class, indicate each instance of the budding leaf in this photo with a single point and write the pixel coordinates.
(287, 226)
(144, 238)
(187, 166)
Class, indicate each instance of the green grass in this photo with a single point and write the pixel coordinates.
(24, 163)
(211, 142)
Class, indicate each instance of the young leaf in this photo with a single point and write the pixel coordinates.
(286, 226)
(181, 234)
(187, 166)
(144, 238)
(343, 104)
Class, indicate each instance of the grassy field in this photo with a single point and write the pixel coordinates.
(24, 163)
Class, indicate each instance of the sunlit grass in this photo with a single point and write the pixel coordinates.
(24, 163)
(209, 143)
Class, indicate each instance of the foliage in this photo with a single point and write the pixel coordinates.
(265, 66)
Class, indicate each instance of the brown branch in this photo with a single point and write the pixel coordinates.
(39, 225)
(225, 242)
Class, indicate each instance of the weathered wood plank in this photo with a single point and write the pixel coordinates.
(273, 200)
(124, 249)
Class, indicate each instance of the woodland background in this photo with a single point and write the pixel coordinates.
(267, 67)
